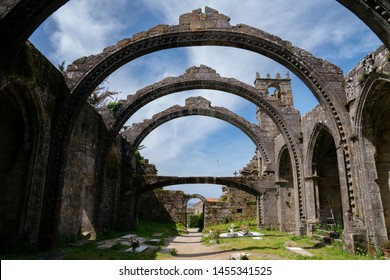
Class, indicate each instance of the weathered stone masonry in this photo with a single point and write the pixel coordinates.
(171, 206)
(56, 179)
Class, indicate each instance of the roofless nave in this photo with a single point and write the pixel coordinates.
(64, 165)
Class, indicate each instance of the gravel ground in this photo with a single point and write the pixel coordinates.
(190, 247)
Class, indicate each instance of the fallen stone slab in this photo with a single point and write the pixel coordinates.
(125, 243)
(154, 241)
(167, 250)
(142, 239)
(139, 249)
(240, 234)
(157, 234)
(300, 251)
(107, 245)
(128, 237)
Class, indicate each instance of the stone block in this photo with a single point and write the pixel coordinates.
(154, 242)
(107, 245)
(197, 25)
(128, 237)
(139, 249)
(299, 251)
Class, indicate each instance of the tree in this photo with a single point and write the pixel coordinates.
(99, 96)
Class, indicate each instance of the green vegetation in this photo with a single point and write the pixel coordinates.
(193, 220)
(353, 137)
(273, 244)
(114, 106)
(89, 251)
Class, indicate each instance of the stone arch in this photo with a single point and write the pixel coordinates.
(24, 134)
(324, 79)
(21, 18)
(322, 163)
(204, 77)
(241, 183)
(83, 76)
(287, 215)
(374, 13)
(371, 131)
(273, 91)
(191, 196)
(154, 182)
(203, 199)
(201, 106)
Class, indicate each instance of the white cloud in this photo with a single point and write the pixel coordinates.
(84, 27)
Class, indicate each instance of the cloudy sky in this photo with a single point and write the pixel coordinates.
(201, 146)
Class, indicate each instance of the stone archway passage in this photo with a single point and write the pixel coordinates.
(204, 77)
(15, 152)
(241, 183)
(325, 168)
(209, 28)
(202, 199)
(195, 29)
(286, 197)
(201, 106)
(373, 134)
(324, 79)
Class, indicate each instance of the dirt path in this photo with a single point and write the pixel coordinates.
(190, 247)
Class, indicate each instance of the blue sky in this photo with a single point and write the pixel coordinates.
(202, 146)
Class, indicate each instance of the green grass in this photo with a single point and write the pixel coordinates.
(272, 246)
(273, 243)
(90, 252)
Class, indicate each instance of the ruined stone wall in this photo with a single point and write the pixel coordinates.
(242, 205)
(217, 213)
(163, 205)
(375, 62)
(269, 209)
(77, 196)
(30, 103)
(367, 89)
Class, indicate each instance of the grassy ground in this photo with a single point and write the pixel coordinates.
(273, 245)
(90, 252)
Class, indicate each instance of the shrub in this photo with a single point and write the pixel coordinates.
(114, 106)
(201, 222)
(193, 221)
(386, 245)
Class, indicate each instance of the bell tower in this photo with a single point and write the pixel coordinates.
(278, 92)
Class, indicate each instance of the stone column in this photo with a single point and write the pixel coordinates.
(258, 212)
(312, 202)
